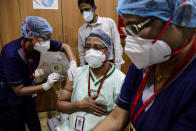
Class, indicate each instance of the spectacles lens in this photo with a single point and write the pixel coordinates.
(131, 30)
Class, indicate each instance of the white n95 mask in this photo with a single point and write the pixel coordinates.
(94, 58)
(88, 15)
(143, 53)
(42, 47)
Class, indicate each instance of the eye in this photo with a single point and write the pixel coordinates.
(87, 47)
(98, 47)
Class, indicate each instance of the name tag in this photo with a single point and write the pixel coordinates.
(79, 124)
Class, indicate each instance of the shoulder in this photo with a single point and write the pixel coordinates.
(188, 73)
(55, 42)
(82, 68)
(55, 45)
(107, 19)
(83, 27)
(10, 50)
(81, 71)
(133, 77)
(117, 74)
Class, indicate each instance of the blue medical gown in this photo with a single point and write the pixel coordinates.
(174, 109)
(14, 70)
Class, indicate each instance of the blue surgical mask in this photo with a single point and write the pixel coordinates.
(88, 15)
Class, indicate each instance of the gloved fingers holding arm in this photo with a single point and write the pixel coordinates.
(52, 78)
(72, 71)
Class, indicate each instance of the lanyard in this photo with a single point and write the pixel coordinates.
(27, 59)
(144, 81)
(100, 86)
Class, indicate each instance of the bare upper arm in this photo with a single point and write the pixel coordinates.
(120, 115)
(64, 46)
(117, 120)
(67, 91)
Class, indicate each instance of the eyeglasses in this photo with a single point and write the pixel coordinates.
(95, 47)
(45, 37)
(136, 28)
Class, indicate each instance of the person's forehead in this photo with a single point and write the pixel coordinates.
(94, 40)
(84, 6)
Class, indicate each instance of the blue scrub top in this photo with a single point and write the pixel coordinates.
(14, 70)
(173, 109)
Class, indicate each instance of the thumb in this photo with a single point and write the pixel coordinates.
(94, 97)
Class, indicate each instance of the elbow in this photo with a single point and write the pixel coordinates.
(61, 106)
(19, 93)
(18, 90)
(58, 106)
(66, 46)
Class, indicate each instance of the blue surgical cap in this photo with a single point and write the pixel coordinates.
(38, 26)
(182, 11)
(103, 37)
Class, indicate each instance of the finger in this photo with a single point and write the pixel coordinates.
(55, 74)
(97, 114)
(100, 109)
(94, 97)
(62, 76)
(100, 103)
(55, 80)
(69, 75)
(74, 73)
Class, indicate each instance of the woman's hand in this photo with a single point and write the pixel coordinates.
(91, 106)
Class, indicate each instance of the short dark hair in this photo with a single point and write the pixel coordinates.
(90, 2)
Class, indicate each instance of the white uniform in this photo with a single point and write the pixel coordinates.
(108, 94)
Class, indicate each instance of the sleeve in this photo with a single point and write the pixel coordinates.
(80, 71)
(118, 50)
(129, 87)
(81, 49)
(13, 71)
(187, 119)
(55, 45)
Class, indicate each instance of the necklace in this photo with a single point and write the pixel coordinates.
(161, 77)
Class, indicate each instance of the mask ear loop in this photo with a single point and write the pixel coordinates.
(103, 54)
(179, 50)
(163, 30)
(33, 73)
(31, 31)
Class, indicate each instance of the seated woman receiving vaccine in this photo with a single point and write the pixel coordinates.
(94, 92)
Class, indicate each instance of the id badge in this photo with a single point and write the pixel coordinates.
(79, 124)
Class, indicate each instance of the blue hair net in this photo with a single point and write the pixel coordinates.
(183, 11)
(103, 37)
(37, 25)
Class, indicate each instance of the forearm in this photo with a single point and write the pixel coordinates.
(68, 107)
(28, 90)
(116, 121)
(68, 51)
(108, 124)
